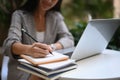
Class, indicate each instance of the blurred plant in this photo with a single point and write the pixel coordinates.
(77, 31)
(115, 42)
(97, 8)
(6, 8)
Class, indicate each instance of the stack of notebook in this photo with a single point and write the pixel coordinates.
(49, 67)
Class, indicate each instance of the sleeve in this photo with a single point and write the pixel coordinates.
(63, 34)
(14, 35)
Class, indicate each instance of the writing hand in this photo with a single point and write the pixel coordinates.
(39, 50)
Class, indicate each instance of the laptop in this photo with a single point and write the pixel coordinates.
(95, 38)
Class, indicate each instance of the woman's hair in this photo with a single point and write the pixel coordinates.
(31, 6)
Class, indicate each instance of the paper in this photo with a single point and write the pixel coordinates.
(56, 57)
(60, 64)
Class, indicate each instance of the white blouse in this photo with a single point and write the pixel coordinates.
(40, 36)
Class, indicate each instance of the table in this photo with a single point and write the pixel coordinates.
(105, 66)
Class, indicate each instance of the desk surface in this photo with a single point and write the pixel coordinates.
(102, 66)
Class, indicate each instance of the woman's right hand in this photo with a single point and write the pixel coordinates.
(34, 50)
(38, 50)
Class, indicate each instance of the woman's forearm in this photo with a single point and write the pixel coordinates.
(19, 48)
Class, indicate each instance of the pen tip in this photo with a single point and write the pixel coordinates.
(51, 53)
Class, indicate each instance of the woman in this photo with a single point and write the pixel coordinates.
(43, 21)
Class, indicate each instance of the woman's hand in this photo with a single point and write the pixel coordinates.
(34, 50)
(56, 46)
(39, 50)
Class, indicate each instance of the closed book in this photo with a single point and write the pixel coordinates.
(34, 72)
(52, 68)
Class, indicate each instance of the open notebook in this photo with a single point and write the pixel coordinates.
(56, 57)
(51, 62)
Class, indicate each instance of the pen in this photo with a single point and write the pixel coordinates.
(23, 30)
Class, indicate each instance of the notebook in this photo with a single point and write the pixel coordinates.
(95, 38)
(56, 57)
(39, 74)
(49, 69)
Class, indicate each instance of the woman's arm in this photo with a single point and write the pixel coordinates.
(13, 44)
(34, 50)
(64, 36)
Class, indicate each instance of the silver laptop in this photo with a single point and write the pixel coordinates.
(95, 37)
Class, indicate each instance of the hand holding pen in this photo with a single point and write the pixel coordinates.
(41, 48)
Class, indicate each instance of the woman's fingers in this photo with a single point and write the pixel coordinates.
(37, 55)
(43, 46)
(40, 50)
